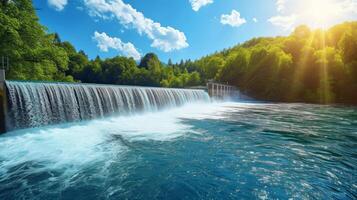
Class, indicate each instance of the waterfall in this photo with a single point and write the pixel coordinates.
(32, 104)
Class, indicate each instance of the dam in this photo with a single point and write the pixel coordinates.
(116, 144)
(26, 104)
(35, 104)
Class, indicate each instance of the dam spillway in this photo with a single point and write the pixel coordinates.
(32, 104)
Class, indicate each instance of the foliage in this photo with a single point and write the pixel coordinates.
(37, 55)
(307, 66)
(33, 53)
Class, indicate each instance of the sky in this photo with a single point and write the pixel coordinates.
(181, 29)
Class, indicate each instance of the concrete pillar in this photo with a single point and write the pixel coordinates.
(209, 89)
(223, 90)
(3, 102)
(212, 90)
(215, 90)
(220, 91)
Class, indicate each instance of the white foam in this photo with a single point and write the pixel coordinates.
(87, 142)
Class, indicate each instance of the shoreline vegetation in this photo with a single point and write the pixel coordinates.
(309, 66)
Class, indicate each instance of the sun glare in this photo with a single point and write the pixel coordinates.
(319, 13)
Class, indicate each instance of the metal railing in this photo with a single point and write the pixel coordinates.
(4, 63)
(220, 90)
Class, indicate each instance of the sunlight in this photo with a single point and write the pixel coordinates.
(325, 93)
(319, 13)
(296, 87)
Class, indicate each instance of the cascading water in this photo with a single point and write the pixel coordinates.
(37, 104)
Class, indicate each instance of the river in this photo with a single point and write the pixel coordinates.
(225, 150)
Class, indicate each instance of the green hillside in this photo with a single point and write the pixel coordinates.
(314, 66)
(307, 66)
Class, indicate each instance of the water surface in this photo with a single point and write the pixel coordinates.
(200, 151)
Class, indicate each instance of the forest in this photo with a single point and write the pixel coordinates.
(313, 66)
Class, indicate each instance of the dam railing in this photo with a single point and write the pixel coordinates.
(33, 104)
(3, 101)
(221, 90)
(5, 65)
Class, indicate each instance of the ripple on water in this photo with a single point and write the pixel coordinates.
(207, 151)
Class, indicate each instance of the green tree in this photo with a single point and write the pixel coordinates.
(33, 53)
(149, 57)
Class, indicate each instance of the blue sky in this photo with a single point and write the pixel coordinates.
(181, 29)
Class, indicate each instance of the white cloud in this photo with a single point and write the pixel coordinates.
(255, 20)
(314, 13)
(164, 38)
(286, 22)
(234, 19)
(57, 4)
(197, 4)
(105, 42)
(280, 5)
(348, 6)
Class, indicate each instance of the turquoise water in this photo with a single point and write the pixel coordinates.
(202, 151)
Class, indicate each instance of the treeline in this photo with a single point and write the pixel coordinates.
(32, 52)
(37, 55)
(125, 71)
(314, 66)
